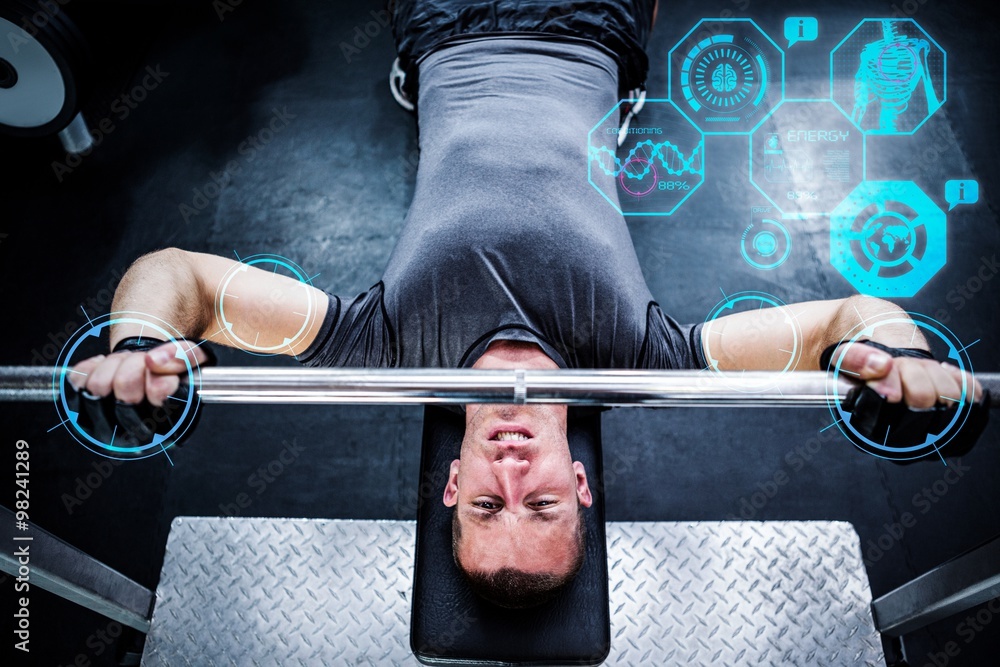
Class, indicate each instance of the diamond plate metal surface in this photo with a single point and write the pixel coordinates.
(237, 591)
(739, 593)
(244, 592)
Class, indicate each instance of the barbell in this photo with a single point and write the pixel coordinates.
(674, 388)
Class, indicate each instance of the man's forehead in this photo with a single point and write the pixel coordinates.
(524, 543)
(488, 519)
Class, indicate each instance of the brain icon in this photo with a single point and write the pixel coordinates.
(724, 78)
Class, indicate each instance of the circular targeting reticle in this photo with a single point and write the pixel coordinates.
(85, 343)
(766, 244)
(888, 238)
(775, 334)
(939, 337)
(726, 76)
(299, 312)
(643, 172)
(888, 76)
(658, 166)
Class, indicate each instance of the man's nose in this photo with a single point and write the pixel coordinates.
(510, 472)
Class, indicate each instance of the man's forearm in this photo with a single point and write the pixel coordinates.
(162, 285)
(856, 312)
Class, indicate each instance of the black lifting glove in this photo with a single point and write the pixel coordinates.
(133, 426)
(874, 417)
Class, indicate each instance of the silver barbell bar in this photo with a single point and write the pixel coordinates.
(461, 386)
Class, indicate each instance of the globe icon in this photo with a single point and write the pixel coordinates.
(888, 238)
(887, 242)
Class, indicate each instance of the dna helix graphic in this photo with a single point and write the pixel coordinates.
(640, 160)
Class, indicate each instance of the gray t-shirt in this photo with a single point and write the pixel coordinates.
(505, 238)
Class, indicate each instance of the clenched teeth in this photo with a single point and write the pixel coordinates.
(510, 435)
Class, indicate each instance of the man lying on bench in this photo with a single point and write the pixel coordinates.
(508, 258)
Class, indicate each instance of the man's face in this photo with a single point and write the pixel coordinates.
(516, 490)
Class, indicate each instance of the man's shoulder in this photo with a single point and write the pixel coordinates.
(360, 334)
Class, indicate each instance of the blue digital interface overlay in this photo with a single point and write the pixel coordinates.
(964, 191)
(239, 334)
(888, 238)
(765, 243)
(801, 29)
(888, 76)
(772, 315)
(86, 342)
(806, 157)
(659, 164)
(726, 76)
(903, 447)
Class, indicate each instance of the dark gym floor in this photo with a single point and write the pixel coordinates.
(330, 191)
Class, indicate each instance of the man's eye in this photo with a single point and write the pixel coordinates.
(487, 504)
(544, 503)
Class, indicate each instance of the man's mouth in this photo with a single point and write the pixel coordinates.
(508, 433)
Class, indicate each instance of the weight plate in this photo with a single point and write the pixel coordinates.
(43, 72)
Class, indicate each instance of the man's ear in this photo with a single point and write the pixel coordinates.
(451, 488)
(582, 488)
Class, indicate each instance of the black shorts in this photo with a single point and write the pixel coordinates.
(619, 27)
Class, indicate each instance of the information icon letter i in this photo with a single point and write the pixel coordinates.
(801, 29)
(961, 192)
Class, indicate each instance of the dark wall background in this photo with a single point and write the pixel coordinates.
(330, 191)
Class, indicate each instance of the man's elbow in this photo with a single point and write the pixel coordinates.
(169, 273)
(166, 258)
